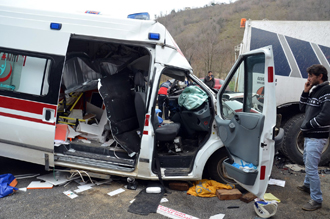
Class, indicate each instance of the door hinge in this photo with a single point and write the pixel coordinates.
(263, 145)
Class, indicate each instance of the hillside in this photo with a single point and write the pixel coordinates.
(207, 36)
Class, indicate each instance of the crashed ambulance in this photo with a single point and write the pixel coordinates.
(79, 91)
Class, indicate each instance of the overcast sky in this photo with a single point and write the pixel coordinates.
(116, 8)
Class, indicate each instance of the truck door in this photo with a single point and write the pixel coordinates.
(246, 119)
(31, 62)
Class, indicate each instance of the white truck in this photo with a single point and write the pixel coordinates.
(79, 92)
(296, 45)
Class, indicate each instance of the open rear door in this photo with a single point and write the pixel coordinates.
(246, 117)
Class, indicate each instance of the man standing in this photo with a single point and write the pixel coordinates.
(209, 80)
(315, 127)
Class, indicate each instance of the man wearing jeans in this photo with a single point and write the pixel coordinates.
(315, 102)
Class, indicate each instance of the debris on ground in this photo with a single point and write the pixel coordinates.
(207, 188)
(147, 200)
(248, 197)
(217, 216)
(296, 167)
(26, 176)
(179, 186)
(84, 188)
(270, 197)
(265, 209)
(70, 194)
(171, 213)
(276, 182)
(40, 185)
(116, 192)
(225, 194)
(7, 184)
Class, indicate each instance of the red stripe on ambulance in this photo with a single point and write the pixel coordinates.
(25, 105)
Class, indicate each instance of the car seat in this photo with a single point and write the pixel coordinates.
(165, 132)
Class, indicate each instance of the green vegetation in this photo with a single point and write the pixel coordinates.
(207, 36)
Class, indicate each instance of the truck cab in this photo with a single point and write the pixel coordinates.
(79, 91)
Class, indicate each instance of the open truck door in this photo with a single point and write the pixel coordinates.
(246, 124)
(31, 67)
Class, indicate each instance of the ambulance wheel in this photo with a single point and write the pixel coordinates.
(216, 169)
(293, 142)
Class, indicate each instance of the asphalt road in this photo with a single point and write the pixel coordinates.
(95, 203)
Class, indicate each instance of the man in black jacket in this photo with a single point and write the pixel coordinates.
(315, 102)
(209, 80)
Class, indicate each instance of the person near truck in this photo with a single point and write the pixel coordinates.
(315, 102)
(162, 97)
(209, 80)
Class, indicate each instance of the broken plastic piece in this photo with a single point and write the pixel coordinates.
(40, 185)
(116, 192)
(70, 194)
(61, 132)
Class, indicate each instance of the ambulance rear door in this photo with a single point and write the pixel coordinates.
(31, 62)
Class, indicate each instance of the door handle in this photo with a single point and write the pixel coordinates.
(48, 115)
(237, 118)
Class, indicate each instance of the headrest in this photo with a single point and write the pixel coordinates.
(139, 79)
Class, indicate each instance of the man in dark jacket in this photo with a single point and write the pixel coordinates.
(315, 102)
(162, 95)
(209, 80)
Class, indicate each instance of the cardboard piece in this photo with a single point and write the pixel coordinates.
(40, 185)
(228, 194)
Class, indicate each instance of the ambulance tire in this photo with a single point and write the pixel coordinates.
(293, 142)
(216, 170)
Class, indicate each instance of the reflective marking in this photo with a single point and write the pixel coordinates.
(320, 56)
(262, 172)
(295, 71)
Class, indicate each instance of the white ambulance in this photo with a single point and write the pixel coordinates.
(79, 91)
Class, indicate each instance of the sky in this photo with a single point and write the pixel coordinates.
(119, 9)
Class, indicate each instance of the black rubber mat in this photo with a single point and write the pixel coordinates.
(146, 203)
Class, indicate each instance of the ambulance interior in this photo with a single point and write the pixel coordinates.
(102, 106)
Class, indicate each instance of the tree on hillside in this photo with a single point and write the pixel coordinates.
(209, 47)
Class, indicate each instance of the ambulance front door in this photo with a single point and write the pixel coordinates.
(246, 120)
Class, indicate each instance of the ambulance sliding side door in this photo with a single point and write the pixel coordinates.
(31, 62)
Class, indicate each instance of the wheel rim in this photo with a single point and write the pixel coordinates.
(300, 143)
(221, 170)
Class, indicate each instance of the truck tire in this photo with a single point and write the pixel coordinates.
(293, 142)
(216, 169)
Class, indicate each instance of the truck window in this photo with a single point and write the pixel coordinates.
(25, 74)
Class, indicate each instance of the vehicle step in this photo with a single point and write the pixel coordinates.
(93, 162)
(108, 158)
